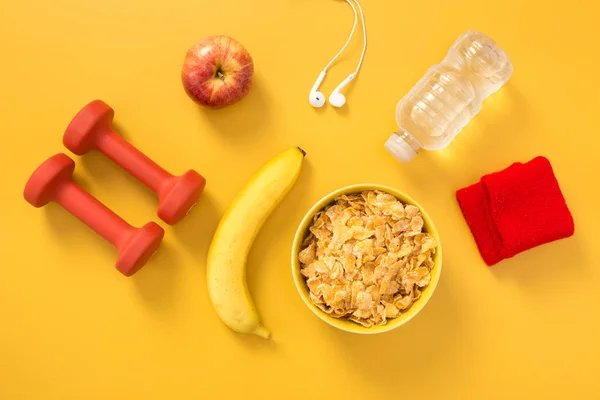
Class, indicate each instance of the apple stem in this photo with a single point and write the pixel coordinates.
(220, 76)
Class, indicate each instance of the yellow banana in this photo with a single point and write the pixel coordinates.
(235, 234)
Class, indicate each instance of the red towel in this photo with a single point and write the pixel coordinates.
(515, 209)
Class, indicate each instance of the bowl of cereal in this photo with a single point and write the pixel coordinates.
(366, 258)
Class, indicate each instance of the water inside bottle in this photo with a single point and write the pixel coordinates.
(438, 108)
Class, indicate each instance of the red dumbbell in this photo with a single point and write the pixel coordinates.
(91, 129)
(53, 181)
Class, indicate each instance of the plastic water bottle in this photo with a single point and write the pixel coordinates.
(450, 94)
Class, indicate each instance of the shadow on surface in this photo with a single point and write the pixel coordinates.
(252, 112)
(406, 353)
(120, 129)
(543, 268)
(69, 229)
(107, 173)
(196, 230)
(157, 281)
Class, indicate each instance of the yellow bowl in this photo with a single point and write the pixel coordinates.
(345, 324)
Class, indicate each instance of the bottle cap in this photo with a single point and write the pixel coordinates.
(400, 149)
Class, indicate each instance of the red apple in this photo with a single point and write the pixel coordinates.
(217, 72)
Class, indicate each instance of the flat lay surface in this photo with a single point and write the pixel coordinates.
(76, 328)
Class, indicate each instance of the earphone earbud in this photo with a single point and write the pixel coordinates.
(337, 99)
(316, 98)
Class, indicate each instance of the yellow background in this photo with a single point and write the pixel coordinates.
(74, 328)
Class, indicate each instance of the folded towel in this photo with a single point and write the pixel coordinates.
(515, 209)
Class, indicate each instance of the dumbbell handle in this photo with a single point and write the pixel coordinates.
(132, 160)
(93, 213)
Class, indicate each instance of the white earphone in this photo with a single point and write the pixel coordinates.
(317, 99)
(337, 98)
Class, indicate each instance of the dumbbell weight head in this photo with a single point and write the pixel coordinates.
(141, 246)
(179, 196)
(82, 132)
(46, 179)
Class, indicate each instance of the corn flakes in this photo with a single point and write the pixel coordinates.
(366, 258)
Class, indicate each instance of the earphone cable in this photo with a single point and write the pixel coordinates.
(362, 17)
(349, 37)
